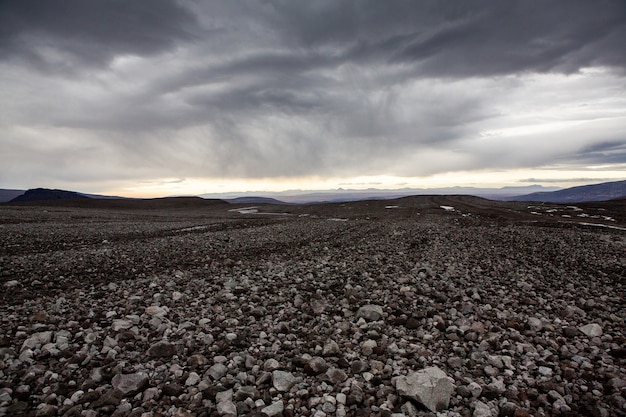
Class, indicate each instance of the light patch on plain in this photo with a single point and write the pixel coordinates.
(602, 225)
(193, 229)
(245, 210)
(447, 208)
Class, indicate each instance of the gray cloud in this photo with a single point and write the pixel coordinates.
(281, 88)
(64, 34)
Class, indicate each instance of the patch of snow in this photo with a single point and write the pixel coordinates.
(602, 225)
(566, 215)
(332, 219)
(190, 229)
(245, 210)
(391, 207)
(447, 208)
(535, 213)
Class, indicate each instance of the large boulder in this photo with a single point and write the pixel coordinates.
(430, 387)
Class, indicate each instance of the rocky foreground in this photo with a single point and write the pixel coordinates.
(410, 308)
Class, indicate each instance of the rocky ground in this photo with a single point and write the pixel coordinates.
(450, 306)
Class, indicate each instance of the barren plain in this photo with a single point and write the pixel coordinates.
(429, 305)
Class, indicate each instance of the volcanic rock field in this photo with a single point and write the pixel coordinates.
(421, 306)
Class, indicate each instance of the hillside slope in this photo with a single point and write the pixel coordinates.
(595, 192)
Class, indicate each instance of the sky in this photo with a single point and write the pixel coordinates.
(164, 97)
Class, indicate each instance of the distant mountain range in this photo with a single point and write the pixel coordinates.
(595, 192)
(343, 195)
(8, 195)
(253, 200)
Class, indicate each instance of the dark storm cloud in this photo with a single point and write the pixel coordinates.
(464, 38)
(285, 88)
(601, 153)
(64, 33)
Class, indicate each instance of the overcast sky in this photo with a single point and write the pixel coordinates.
(167, 97)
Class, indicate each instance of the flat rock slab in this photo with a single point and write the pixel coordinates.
(591, 330)
(130, 384)
(430, 387)
(275, 409)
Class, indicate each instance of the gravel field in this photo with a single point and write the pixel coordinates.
(422, 306)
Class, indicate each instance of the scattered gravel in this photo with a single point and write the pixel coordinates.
(404, 312)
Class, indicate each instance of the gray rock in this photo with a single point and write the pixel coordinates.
(535, 324)
(226, 408)
(48, 410)
(591, 330)
(475, 389)
(111, 397)
(358, 367)
(283, 381)
(120, 324)
(192, 379)
(315, 366)
(37, 340)
(331, 348)
(430, 387)
(130, 384)
(370, 312)
(162, 349)
(481, 410)
(336, 376)
(173, 389)
(271, 365)
(247, 391)
(223, 396)
(217, 371)
(156, 311)
(275, 409)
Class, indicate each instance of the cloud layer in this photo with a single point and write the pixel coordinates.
(97, 91)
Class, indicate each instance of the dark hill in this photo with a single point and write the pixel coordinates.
(595, 192)
(128, 203)
(45, 194)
